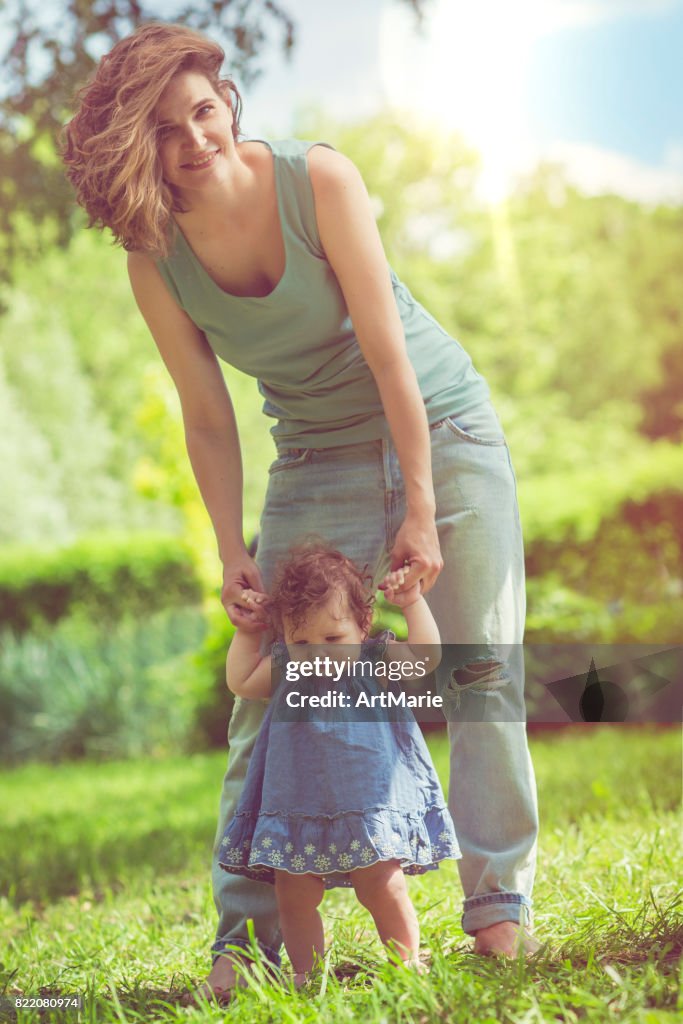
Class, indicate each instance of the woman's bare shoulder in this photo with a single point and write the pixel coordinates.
(140, 263)
(329, 169)
(155, 301)
(145, 277)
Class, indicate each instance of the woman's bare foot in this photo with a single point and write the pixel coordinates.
(506, 938)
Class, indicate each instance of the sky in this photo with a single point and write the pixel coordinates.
(594, 84)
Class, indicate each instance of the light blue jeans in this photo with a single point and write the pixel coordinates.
(353, 496)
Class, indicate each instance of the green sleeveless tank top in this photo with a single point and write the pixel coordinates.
(298, 341)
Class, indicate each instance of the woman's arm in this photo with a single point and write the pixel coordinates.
(248, 673)
(352, 244)
(210, 427)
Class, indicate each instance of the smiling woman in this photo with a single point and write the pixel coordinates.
(267, 255)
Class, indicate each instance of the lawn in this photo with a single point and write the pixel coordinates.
(105, 891)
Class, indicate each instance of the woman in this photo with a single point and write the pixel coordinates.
(267, 255)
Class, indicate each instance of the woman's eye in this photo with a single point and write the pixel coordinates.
(164, 130)
(331, 639)
(207, 109)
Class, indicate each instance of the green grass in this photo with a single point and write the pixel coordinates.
(109, 895)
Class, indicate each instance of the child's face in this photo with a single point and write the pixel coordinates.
(326, 626)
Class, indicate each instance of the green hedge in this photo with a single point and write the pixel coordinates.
(100, 576)
(573, 506)
(624, 584)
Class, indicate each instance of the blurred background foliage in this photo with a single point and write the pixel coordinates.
(113, 639)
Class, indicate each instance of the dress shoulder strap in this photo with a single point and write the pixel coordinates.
(375, 646)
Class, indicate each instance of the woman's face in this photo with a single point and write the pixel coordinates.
(194, 129)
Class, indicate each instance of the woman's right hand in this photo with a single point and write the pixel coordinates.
(243, 596)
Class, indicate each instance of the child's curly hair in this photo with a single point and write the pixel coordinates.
(311, 572)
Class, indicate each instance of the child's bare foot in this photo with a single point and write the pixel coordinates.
(225, 976)
(506, 938)
(416, 965)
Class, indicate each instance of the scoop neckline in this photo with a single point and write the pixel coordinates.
(278, 197)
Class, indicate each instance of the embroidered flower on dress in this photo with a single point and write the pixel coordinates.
(345, 860)
(289, 847)
(309, 848)
(298, 862)
(276, 858)
(355, 844)
(225, 841)
(322, 862)
(366, 854)
(332, 847)
(255, 852)
(233, 856)
(246, 844)
(445, 837)
(267, 842)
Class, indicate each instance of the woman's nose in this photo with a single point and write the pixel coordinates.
(194, 136)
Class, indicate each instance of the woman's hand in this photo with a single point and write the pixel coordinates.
(416, 551)
(243, 596)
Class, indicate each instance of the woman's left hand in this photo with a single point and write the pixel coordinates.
(417, 550)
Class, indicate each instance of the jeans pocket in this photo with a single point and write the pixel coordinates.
(289, 458)
(461, 427)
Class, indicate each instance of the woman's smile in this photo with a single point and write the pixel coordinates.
(200, 162)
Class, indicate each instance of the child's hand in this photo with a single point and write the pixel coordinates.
(254, 605)
(391, 585)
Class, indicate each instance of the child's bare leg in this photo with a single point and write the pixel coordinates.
(298, 898)
(381, 889)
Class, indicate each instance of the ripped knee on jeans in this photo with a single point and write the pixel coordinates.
(482, 672)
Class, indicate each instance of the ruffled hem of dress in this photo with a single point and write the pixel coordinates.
(255, 845)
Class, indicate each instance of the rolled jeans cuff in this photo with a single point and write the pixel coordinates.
(482, 911)
(226, 945)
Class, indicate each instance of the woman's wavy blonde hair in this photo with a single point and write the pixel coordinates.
(111, 148)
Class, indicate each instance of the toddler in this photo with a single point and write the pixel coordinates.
(329, 800)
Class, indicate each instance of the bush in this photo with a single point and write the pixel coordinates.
(117, 690)
(571, 507)
(101, 577)
(622, 584)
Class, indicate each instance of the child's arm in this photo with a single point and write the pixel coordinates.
(247, 672)
(423, 640)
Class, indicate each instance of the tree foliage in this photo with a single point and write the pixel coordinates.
(570, 305)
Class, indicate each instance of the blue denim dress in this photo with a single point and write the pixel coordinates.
(327, 793)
